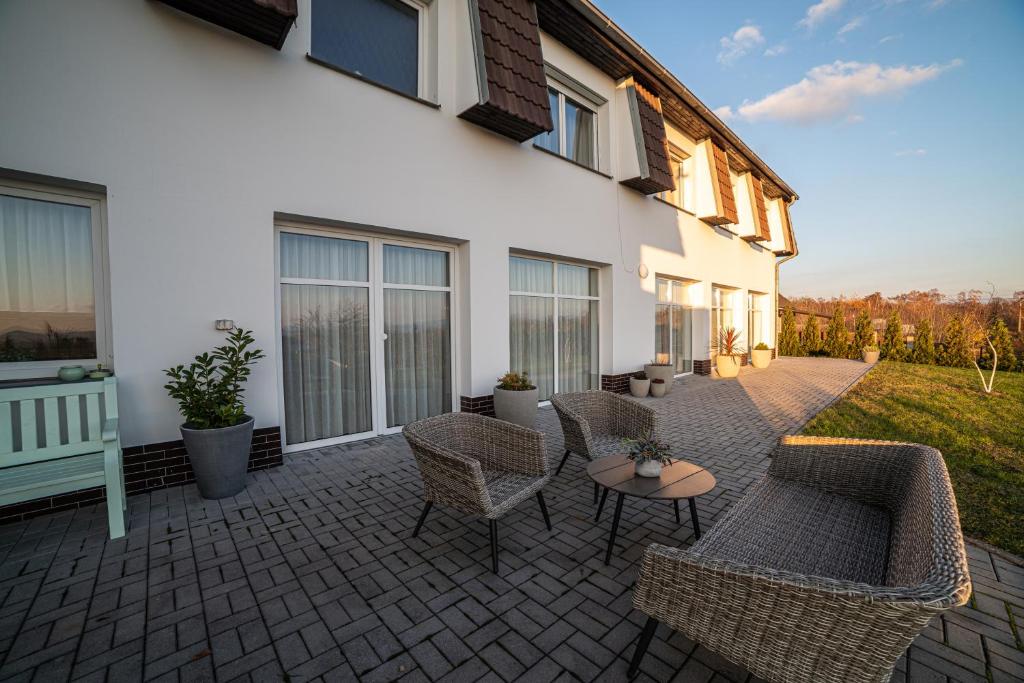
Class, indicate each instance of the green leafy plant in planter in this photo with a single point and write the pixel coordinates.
(515, 399)
(217, 432)
(727, 361)
(761, 346)
(649, 455)
(515, 381)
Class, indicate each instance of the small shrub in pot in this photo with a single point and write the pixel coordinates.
(761, 355)
(515, 399)
(727, 362)
(666, 372)
(869, 354)
(649, 455)
(639, 384)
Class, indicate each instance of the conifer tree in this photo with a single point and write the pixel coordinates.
(924, 345)
(811, 341)
(863, 335)
(837, 339)
(956, 346)
(893, 346)
(1006, 359)
(789, 340)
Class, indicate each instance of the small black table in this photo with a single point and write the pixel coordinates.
(681, 479)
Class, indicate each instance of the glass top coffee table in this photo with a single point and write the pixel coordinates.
(681, 479)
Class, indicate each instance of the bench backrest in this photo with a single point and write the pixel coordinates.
(54, 420)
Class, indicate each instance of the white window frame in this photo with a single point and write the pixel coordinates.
(754, 298)
(582, 101)
(554, 294)
(685, 285)
(726, 291)
(374, 283)
(46, 369)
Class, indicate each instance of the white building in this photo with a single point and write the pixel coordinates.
(378, 200)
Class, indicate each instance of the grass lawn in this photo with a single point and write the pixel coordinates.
(981, 436)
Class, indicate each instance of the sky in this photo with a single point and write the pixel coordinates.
(897, 122)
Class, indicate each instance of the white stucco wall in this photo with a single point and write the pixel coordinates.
(200, 135)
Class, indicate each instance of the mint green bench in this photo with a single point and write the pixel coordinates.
(52, 441)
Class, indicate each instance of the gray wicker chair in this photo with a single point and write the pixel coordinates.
(825, 571)
(595, 422)
(478, 465)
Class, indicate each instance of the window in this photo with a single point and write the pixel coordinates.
(721, 313)
(575, 130)
(381, 40)
(755, 319)
(673, 326)
(682, 173)
(553, 326)
(52, 282)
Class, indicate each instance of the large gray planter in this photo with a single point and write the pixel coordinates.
(518, 407)
(219, 458)
(665, 372)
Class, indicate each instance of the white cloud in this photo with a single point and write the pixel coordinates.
(889, 39)
(854, 118)
(830, 91)
(851, 25)
(936, 4)
(819, 12)
(725, 113)
(919, 152)
(742, 41)
(776, 50)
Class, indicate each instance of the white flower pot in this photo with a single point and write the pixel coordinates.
(727, 366)
(760, 358)
(658, 389)
(665, 372)
(518, 407)
(648, 468)
(639, 387)
(869, 356)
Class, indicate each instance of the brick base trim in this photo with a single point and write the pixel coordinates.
(618, 384)
(702, 367)
(481, 405)
(148, 468)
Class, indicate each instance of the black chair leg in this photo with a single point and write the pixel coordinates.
(544, 509)
(494, 545)
(641, 647)
(423, 518)
(600, 506)
(596, 491)
(562, 464)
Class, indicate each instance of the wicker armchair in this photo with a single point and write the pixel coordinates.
(595, 422)
(478, 465)
(825, 571)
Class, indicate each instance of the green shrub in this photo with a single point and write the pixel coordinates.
(1006, 359)
(956, 349)
(837, 339)
(789, 339)
(924, 346)
(515, 381)
(893, 345)
(812, 338)
(761, 346)
(863, 335)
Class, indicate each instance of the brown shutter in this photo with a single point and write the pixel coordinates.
(760, 212)
(651, 143)
(510, 69)
(725, 200)
(789, 240)
(266, 21)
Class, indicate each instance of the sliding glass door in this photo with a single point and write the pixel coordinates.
(673, 326)
(366, 335)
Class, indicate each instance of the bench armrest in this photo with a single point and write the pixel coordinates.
(110, 429)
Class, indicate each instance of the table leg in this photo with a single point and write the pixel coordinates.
(676, 504)
(600, 506)
(693, 517)
(615, 527)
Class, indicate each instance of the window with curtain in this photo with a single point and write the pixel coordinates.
(682, 196)
(553, 324)
(673, 326)
(48, 287)
(721, 313)
(376, 39)
(755, 320)
(574, 135)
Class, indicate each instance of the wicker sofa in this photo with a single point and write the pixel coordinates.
(825, 571)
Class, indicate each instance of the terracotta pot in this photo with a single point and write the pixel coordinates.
(760, 358)
(727, 366)
(869, 356)
(665, 372)
(639, 387)
(658, 389)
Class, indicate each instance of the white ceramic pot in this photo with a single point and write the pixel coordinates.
(639, 387)
(518, 407)
(869, 356)
(760, 358)
(648, 468)
(727, 366)
(665, 372)
(658, 389)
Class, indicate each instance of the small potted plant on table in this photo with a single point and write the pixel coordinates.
(870, 354)
(760, 355)
(727, 362)
(217, 432)
(639, 385)
(649, 455)
(666, 372)
(515, 399)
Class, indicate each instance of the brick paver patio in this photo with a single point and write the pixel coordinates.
(312, 572)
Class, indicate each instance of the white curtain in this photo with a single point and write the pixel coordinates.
(530, 275)
(579, 123)
(577, 345)
(532, 340)
(326, 356)
(417, 354)
(415, 266)
(47, 303)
